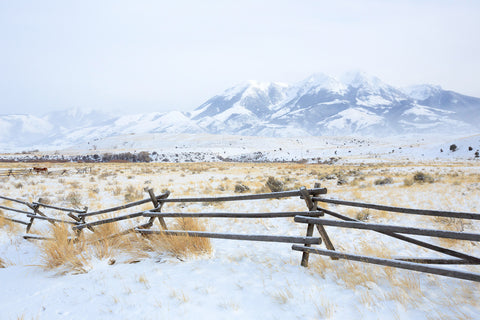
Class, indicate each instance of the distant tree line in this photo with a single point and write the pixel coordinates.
(143, 156)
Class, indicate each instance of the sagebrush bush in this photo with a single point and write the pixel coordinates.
(423, 177)
(363, 215)
(74, 198)
(274, 185)
(241, 188)
(383, 181)
(133, 194)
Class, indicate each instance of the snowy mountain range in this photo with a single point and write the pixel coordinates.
(354, 104)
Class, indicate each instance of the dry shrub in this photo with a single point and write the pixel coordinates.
(241, 188)
(117, 190)
(423, 177)
(44, 200)
(274, 185)
(74, 198)
(63, 251)
(363, 215)
(182, 246)
(133, 194)
(383, 181)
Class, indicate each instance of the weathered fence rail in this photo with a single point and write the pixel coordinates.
(393, 263)
(43, 170)
(414, 263)
(391, 228)
(312, 217)
(435, 213)
(232, 236)
(418, 242)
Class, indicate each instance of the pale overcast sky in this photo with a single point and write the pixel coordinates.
(140, 56)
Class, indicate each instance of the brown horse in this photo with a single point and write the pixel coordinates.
(40, 170)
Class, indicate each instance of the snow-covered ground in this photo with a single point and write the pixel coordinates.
(165, 147)
(246, 280)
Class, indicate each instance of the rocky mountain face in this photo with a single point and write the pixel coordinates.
(355, 104)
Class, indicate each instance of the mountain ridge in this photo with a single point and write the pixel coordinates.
(354, 104)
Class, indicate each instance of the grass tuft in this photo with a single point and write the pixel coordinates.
(133, 194)
(9, 225)
(182, 246)
(63, 252)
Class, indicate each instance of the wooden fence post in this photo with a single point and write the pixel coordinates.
(36, 210)
(320, 228)
(80, 220)
(29, 225)
(312, 206)
(157, 207)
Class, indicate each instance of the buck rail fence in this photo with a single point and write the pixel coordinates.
(42, 170)
(312, 217)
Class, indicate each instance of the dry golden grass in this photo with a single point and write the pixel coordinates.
(63, 251)
(8, 225)
(105, 243)
(182, 246)
(2, 263)
(67, 255)
(102, 242)
(179, 295)
(132, 193)
(282, 296)
(143, 280)
(325, 309)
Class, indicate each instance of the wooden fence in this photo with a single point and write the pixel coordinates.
(312, 217)
(46, 171)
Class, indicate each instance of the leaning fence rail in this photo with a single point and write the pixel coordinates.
(414, 263)
(436, 213)
(393, 263)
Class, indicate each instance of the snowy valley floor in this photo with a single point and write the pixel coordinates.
(239, 279)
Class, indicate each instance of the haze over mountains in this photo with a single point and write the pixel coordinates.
(355, 104)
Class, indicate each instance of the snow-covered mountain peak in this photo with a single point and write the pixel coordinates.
(76, 117)
(360, 79)
(318, 105)
(320, 81)
(251, 87)
(421, 92)
(234, 91)
(256, 88)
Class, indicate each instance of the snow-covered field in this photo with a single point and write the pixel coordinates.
(168, 147)
(244, 280)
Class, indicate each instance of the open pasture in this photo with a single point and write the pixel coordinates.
(238, 279)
